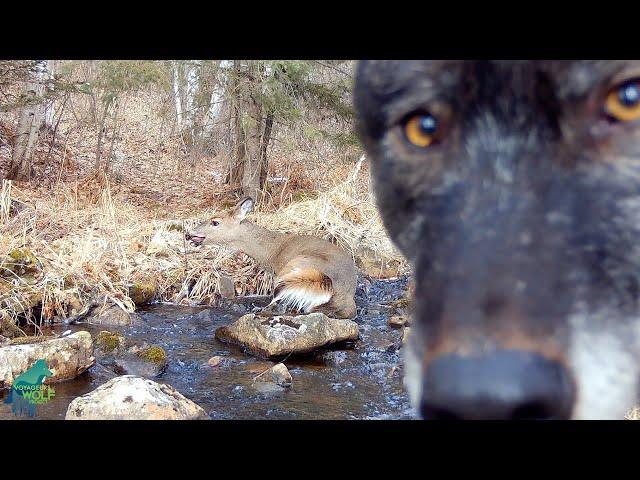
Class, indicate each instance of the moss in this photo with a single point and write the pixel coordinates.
(109, 341)
(22, 262)
(142, 292)
(31, 339)
(153, 354)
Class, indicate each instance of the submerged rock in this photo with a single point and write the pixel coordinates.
(214, 361)
(112, 315)
(67, 357)
(109, 342)
(112, 349)
(398, 321)
(278, 374)
(281, 335)
(134, 398)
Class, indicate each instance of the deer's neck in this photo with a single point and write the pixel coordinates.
(263, 245)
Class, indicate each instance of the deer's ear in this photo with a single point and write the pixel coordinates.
(243, 208)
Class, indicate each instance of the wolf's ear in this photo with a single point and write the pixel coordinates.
(244, 207)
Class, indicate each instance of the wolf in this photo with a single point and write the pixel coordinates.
(31, 378)
(513, 189)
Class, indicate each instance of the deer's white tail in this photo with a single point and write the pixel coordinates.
(303, 289)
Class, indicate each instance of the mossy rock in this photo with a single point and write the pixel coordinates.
(31, 339)
(109, 342)
(142, 292)
(22, 261)
(153, 354)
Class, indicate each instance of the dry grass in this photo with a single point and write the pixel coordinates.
(103, 249)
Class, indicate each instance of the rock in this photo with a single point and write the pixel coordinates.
(112, 315)
(109, 342)
(397, 321)
(269, 337)
(227, 287)
(142, 292)
(142, 360)
(405, 334)
(23, 263)
(66, 357)
(4, 341)
(129, 397)
(214, 361)
(278, 374)
(333, 357)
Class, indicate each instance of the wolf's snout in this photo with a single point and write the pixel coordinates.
(196, 239)
(503, 385)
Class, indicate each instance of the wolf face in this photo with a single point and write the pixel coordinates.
(513, 189)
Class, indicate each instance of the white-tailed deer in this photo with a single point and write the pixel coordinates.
(312, 274)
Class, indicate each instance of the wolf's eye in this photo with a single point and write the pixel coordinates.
(420, 129)
(623, 102)
(215, 223)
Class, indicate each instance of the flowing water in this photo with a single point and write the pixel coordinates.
(360, 381)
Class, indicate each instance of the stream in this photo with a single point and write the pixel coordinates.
(361, 381)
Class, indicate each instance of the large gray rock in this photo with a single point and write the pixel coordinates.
(66, 357)
(112, 315)
(269, 337)
(134, 398)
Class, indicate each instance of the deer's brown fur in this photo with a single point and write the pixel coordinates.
(312, 274)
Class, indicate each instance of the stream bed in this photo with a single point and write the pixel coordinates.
(360, 381)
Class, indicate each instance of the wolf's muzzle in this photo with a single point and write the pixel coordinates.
(502, 385)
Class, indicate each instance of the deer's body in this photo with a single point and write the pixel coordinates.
(312, 274)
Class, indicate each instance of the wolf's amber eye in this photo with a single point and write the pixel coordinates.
(420, 129)
(623, 102)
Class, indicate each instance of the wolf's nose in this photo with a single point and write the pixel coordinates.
(503, 385)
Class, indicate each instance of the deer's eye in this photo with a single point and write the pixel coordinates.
(215, 223)
(420, 129)
(623, 102)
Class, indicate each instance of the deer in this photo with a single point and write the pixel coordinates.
(312, 274)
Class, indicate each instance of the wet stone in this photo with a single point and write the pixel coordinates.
(131, 397)
(278, 374)
(282, 335)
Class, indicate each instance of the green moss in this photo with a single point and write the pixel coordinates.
(141, 292)
(109, 341)
(153, 354)
(22, 262)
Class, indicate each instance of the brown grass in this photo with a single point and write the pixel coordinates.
(98, 250)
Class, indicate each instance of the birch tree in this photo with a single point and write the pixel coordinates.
(30, 120)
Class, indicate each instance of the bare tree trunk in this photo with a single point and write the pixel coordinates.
(101, 129)
(246, 168)
(28, 125)
(264, 145)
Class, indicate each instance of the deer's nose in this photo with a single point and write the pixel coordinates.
(505, 384)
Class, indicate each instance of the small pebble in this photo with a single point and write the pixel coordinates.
(397, 321)
(214, 361)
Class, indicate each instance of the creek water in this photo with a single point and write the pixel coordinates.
(358, 381)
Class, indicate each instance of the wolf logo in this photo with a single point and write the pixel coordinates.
(27, 391)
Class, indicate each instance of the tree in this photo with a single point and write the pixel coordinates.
(30, 119)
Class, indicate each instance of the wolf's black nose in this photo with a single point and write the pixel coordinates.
(503, 385)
